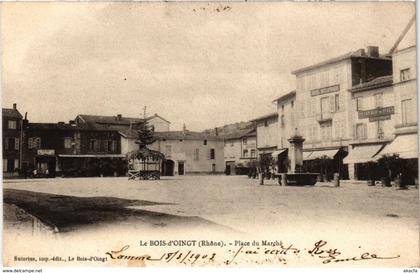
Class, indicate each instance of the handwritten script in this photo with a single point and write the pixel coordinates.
(262, 252)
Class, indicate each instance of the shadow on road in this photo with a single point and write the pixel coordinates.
(68, 213)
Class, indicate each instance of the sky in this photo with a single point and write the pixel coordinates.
(188, 62)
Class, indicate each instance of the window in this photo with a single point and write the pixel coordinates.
(16, 143)
(205, 142)
(168, 150)
(109, 146)
(67, 142)
(245, 153)
(196, 154)
(378, 100)
(405, 74)
(361, 131)
(406, 111)
(380, 129)
(282, 107)
(94, 145)
(265, 123)
(359, 103)
(213, 167)
(253, 153)
(34, 143)
(212, 155)
(282, 121)
(11, 124)
(292, 103)
(336, 103)
(245, 140)
(326, 131)
(114, 146)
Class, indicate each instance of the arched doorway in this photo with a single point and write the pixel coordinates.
(168, 167)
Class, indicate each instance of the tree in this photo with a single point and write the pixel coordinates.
(145, 135)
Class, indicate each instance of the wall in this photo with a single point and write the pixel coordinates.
(159, 124)
(184, 151)
(368, 103)
(404, 90)
(308, 107)
(267, 135)
(233, 149)
(286, 128)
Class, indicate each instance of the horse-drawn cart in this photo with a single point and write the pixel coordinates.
(144, 164)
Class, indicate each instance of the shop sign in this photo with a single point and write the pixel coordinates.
(325, 90)
(384, 111)
(46, 152)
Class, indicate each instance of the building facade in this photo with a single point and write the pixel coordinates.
(405, 142)
(186, 152)
(324, 111)
(69, 149)
(267, 133)
(239, 151)
(13, 134)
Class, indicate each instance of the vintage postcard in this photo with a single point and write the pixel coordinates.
(209, 134)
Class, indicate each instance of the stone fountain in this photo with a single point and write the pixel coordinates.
(295, 176)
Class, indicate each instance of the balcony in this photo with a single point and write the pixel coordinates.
(324, 117)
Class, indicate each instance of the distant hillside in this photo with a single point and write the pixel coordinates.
(232, 130)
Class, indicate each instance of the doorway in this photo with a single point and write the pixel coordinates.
(181, 170)
(168, 168)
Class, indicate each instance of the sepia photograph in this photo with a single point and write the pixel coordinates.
(210, 134)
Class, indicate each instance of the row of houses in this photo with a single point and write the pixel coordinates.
(352, 108)
(65, 148)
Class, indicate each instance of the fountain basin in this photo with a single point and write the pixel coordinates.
(299, 179)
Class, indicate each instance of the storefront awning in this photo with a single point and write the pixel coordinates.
(275, 154)
(362, 154)
(406, 146)
(306, 155)
(96, 156)
(319, 154)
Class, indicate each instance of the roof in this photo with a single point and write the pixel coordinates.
(268, 116)
(189, 135)
(286, 96)
(11, 113)
(67, 126)
(231, 131)
(109, 119)
(360, 53)
(115, 119)
(241, 133)
(373, 84)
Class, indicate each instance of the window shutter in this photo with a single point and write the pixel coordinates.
(332, 103)
(16, 143)
(364, 131)
(341, 101)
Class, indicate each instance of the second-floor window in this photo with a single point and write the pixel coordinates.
(168, 150)
(205, 142)
(380, 129)
(34, 143)
(245, 140)
(361, 131)
(265, 123)
(67, 142)
(336, 103)
(245, 153)
(406, 111)
(359, 103)
(212, 154)
(405, 74)
(282, 123)
(11, 124)
(378, 100)
(94, 145)
(326, 131)
(253, 154)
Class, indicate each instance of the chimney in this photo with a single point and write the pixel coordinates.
(14, 106)
(119, 116)
(373, 51)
